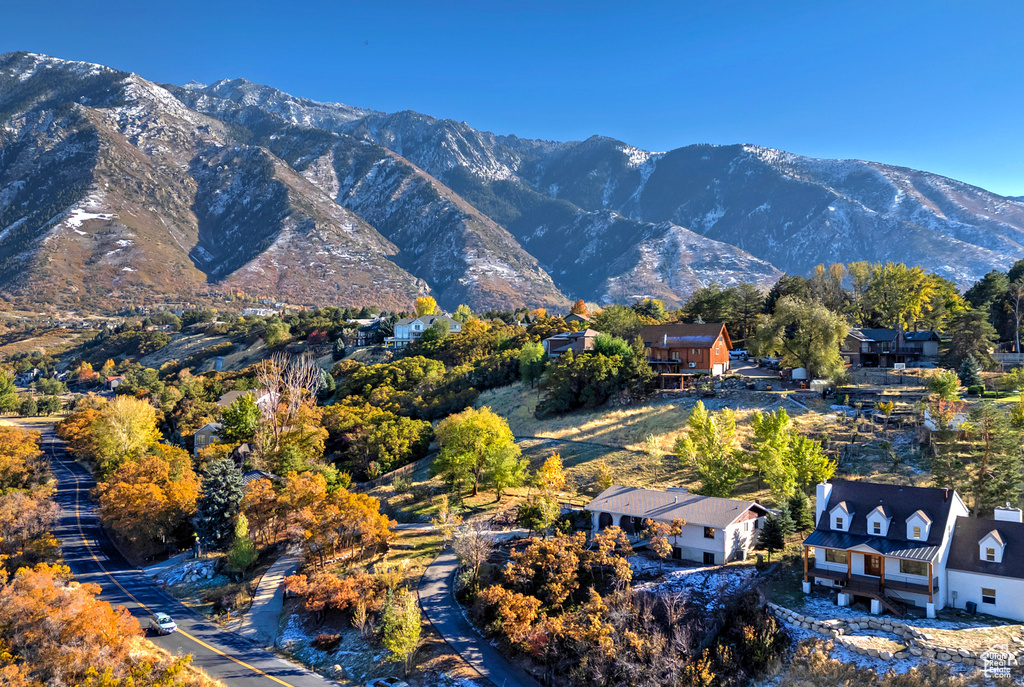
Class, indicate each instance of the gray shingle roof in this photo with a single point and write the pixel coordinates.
(965, 555)
(900, 503)
(709, 511)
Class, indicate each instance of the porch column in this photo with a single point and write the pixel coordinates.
(807, 581)
(881, 577)
(849, 566)
(930, 582)
(930, 608)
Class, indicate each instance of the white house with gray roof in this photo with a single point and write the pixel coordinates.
(409, 329)
(986, 564)
(716, 530)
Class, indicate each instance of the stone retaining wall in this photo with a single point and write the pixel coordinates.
(919, 643)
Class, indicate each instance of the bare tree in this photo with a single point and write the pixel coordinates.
(288, 383)
(473, 546)
(1015, 305)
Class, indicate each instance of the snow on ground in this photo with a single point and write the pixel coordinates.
(77, 216)
(707, 584)
(825, 608)
(861, 661)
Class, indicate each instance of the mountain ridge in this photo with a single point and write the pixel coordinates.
(240, 186)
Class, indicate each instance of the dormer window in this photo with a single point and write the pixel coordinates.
(841, 517)
(918, 525)
(991, 547)
(878, 522)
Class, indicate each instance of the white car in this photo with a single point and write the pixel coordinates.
(162, 624)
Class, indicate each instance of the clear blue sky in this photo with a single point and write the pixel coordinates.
(934, 85)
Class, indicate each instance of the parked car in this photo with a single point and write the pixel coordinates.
(738, 354)
(162, 624)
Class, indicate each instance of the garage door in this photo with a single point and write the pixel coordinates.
(717, 369)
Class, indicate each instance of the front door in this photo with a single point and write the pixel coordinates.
(872, 565)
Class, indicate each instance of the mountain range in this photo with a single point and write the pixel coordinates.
(116, 190)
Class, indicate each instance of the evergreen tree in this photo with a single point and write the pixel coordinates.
(997, 459)
(802, 511)
(29, 407)
(970, 372)
(772, 538)
(785, 520)
(217, 506)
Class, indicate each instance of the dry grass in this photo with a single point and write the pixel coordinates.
(626, 427)
(51, 341)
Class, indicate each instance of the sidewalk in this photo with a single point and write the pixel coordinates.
(260, 623)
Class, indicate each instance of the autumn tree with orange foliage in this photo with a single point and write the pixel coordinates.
(148, 502)
(324, 592)
(27, 510)
(22, 464)
(580, 308)
(263, 509)
(323, 521)
(55, 632)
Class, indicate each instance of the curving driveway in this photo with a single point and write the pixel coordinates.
(438, 603)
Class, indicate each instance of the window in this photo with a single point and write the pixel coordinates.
(914, 568)
(990, 555)
(876, 527)
(709, 532)
(917, 532)
(988, 596)
(835, 556)
(694, 351)
(839, 523)
(709, 559)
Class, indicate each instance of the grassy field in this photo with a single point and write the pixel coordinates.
(51, 341)
(626, 427)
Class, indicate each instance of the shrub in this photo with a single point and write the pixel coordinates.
(976, 390)
(326, 642)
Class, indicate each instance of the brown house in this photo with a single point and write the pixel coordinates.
(577, 342)
(683, 350)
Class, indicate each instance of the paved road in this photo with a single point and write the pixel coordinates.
(223, 655)
(435, 592)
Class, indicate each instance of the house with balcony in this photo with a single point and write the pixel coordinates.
(886, 347)
(577, 342)
(679, 351)
(715, 530)
(409, 329)
(882, 543)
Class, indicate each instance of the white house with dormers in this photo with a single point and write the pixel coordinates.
(409, 329)
(883, 543)
(899, 547)
(986, 564)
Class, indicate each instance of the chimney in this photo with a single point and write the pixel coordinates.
(821, 494)
(1008, 514)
